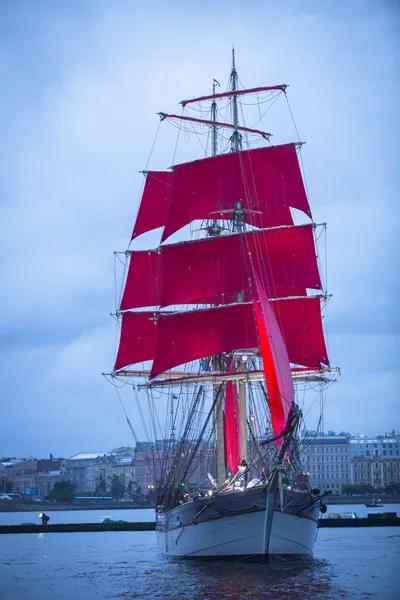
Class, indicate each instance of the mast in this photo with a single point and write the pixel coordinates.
(217, 361)
(236, 139)
(242, 411)
(214, 118)
(219, 416)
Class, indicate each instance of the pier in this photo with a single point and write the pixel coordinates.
(374, 521)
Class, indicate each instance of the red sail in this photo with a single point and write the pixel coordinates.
(211, 270)
(183, 337)
(155, 204)
(275, 357)
(267, 180)
(138, 339)
(192, 335)
(144, 282)
(232, 427)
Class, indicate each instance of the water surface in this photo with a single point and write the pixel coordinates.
(148, 514)
(354, 564)
(78, 516)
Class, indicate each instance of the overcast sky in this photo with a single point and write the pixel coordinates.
(80, 84)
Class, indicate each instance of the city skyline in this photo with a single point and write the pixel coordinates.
(82, 83)
(332, 461)
(116, 448)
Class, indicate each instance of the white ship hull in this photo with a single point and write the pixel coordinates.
(248, 525)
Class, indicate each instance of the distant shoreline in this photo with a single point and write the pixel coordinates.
(12, 506)
(7, 506)
(361, 499)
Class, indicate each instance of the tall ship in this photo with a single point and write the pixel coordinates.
(221, 336)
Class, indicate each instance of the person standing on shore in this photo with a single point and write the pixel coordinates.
(45, 518)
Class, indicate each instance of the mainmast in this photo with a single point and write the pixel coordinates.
(236, 139)
(217, 361)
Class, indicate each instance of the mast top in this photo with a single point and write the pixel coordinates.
(236, 138)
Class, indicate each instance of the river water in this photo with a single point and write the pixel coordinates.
(354, 564)
(148, 514)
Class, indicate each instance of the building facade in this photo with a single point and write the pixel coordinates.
(328, 460)
(93, 471)
(24, 476)
(151, 459)
(375, 461)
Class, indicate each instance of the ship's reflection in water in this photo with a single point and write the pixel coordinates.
(354, 564)
(292, 580)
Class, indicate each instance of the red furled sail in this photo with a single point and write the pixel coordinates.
(264, 134)
(267, 181)
(275, 357)
(211, 270)
(156, 200)
(172, 339)
(233, 93)
(232, 427)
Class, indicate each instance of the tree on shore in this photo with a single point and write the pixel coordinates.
(393, 488)
(101, 487)
(362, 488)
(117, 488)
(6, 486)
(367, 488)
(63, 491)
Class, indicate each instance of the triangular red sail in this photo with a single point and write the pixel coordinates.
(155, 203)
(267, 181)
(174, 339)
(212, 270)
(275, 357)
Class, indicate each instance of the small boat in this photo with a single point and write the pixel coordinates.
(374, 503)
(342, 515)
